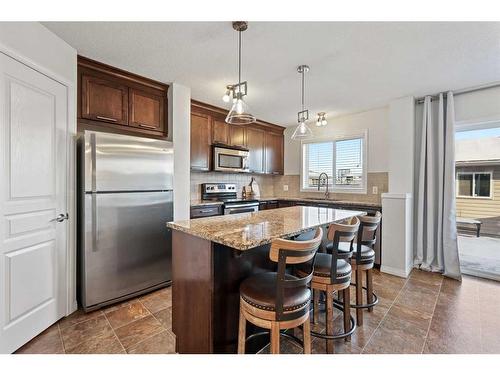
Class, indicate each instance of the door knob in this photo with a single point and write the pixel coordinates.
(61, 217)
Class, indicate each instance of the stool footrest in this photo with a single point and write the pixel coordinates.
(336, 302)
(283, 334)
(340, 335)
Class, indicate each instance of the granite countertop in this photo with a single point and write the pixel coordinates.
(199, 202)
(248, 230)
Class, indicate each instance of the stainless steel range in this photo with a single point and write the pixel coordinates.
(227, 194)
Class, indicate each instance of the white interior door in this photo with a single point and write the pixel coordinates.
(33, 131)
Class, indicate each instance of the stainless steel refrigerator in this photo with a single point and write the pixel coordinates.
(125, 201)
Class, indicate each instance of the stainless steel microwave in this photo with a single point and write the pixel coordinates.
(230, 159)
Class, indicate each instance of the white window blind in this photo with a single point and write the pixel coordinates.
(349, 162)
(341, 159)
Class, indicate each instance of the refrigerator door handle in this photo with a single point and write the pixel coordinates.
(93, 159)
(95, 231)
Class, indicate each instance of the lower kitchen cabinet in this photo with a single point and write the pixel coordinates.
(205, 211)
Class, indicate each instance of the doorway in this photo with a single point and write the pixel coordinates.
(477, 173)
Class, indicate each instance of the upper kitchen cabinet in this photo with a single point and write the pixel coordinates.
(147, 110)
(113, 100)
(255, 141)
(237, 135)
(263, 140)
(104, 100)
(220, 132)
(274, 153)
(201, 143)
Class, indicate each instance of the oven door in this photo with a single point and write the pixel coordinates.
(240, 208)
(230, 160)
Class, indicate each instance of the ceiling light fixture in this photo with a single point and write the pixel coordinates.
(240, 112)
(302, 131)
(321, 121)
(228, 95)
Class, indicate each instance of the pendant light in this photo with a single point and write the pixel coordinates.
(239, 113)
(302, 131)
(321, 121)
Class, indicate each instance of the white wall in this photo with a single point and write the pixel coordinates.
(478, 106)
(397, 206)
(180, 130)
(401, 144)
(37, 47)
(376, 121)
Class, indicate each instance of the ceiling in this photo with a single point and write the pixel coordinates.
(355, 66)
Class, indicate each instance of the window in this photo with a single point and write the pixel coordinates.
(474, 184)
(342, 159)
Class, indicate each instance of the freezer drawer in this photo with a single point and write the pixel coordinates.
(127, 246)
(122, 163)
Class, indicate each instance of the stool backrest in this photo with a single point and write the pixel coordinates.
(367, 233)
(287, 252)
(341, 233)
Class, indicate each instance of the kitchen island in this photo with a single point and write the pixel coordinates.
(212, 256)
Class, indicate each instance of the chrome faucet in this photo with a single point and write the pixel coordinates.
(327, 193)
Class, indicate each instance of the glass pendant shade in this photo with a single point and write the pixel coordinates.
(302, 131)
(240, 113)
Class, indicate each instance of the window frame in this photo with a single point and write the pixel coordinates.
(332, 187)
(473, 173)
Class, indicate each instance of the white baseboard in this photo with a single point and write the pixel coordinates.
(395, 271)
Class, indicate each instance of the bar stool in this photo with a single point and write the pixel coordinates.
(362, 260)
(332, 273)
(278, 300)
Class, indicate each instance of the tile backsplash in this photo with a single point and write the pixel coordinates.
(379, 179)
(266, 183)
(272, 186)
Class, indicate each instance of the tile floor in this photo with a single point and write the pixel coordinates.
(425, 313)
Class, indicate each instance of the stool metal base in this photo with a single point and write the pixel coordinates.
(282, 334)
(341, 335)
(338, 303)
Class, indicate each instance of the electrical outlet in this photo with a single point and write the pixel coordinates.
(285, 187)
(375, 189)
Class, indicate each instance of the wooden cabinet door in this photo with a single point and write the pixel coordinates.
(220, 132)
(274, 153)
(146, 110)
(255, 140)
(237, 135)
(200, 141)
(104, 100)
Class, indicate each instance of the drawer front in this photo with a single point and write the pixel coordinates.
(205, 211)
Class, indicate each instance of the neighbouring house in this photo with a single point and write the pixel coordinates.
(478, 182)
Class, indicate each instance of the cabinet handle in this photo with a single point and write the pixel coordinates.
(147, 126)
(206, 211)
(106, 118)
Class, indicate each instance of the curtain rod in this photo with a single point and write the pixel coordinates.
(462, 91)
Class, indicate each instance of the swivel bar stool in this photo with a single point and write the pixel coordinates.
(362, 260)
(279, 300)
(332, 273)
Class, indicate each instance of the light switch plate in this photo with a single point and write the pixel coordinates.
(375, 189)
(285, 187)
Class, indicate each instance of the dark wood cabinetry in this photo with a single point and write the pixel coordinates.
(220, 132)
(146, 110)
(201, 141)
(255, 139)
(113, 100)
(263, 140)
(274, 153)
(205, 211)
(237, 135)
(104, 100)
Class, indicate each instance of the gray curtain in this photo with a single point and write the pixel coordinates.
(436, 232)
